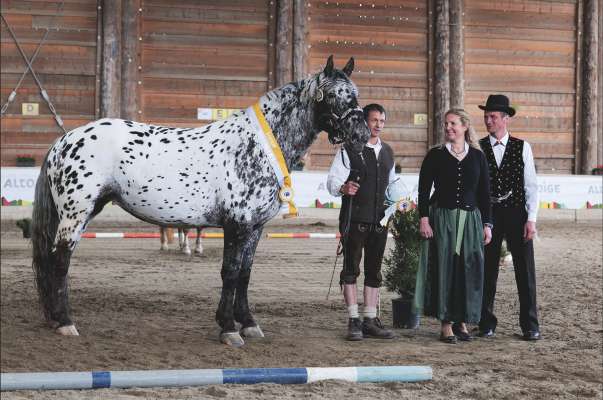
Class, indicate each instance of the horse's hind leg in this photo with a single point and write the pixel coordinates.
(163, 237)
(183, 241)
(59, 295)
(239, 244)
(242, 314)
(198, 244)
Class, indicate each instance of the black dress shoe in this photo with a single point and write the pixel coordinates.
(488, 333)
(531, 335)
(462, 336)
(448, 339)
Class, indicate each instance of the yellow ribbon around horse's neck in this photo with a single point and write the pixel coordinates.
(286, 192)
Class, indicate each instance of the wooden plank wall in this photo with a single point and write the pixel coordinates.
(526, 49)
(66, 66)
(202, 54)
(388, 40)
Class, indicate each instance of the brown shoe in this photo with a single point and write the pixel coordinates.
(373, 328)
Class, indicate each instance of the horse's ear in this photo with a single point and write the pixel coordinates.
(329, 67)
(349, 67)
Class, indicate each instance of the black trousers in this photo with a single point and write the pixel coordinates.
(372, 239)
(509, 224)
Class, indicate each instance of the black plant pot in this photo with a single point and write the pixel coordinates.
(403, 315)
(25, 225)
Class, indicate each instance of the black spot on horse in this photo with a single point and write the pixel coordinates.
(89, 129)
(106, 123)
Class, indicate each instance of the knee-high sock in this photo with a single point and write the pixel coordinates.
(371, 298)
(351, 299)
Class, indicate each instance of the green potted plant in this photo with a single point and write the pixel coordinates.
(401, 265)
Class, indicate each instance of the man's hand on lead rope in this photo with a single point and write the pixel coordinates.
(349, 188)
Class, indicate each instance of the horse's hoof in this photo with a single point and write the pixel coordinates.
(187, 252)
(199, 251)
(233, 339)
(252, 332)
(164, 247)
(67, 330)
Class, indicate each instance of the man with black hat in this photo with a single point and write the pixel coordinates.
(514, 195)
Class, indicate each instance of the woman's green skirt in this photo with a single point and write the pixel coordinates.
(451, 267)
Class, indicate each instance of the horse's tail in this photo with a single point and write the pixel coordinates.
(44, 221)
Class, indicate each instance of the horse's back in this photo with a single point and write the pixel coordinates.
(166, 175)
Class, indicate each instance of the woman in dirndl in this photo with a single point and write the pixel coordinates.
(456, 223)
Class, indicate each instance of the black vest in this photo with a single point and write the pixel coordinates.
(509, 176)
(368, 203)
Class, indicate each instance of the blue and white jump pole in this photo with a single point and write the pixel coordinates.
(197, 377)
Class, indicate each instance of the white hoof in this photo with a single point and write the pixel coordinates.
(164, 247)
(186, 251)
(252, 332)
(67, 330)
(233, 339)
(199, 250)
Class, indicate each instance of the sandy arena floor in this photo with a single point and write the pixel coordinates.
(139, 308)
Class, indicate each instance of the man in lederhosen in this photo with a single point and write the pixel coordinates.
(514, 194)
(361, 178)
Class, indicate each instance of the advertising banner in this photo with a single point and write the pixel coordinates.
(310, 189)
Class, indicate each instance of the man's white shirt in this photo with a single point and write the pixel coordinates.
(340, 168)
(529, 172)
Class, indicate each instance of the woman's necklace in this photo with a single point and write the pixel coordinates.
(457, 154)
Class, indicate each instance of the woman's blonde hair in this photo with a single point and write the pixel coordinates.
(470, 136)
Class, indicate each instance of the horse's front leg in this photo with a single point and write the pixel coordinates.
(236, 240)
(242, 314)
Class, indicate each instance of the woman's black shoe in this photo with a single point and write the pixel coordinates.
(448, 339)
(463, 336)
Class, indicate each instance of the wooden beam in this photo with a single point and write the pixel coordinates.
(130, 60)
(111, 68)
(441, 92)
(272, 12)
(589, 87)
(99, 58)
(600, 93)
(457, 55)
(284, 41)
(430, 72)
(300, 40)
(578, 89)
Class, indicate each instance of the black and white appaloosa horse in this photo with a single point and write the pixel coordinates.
(218, 175)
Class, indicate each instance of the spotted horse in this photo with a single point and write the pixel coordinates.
(219, 175)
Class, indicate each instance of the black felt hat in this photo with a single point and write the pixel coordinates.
(498, 102)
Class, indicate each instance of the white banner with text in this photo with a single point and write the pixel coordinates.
(310, 189)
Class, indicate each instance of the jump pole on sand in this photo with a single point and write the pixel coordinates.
(198, 377)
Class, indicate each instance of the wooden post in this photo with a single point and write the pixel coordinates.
(272, 11)
(441, 91)
(111, 68)
(130, 61)
(430, 72)
(99, 58)
(284, 40)
(457, 55)
(300, 37)
(600, 93)
(589, 87)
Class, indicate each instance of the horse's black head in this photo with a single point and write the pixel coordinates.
(337, 109)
